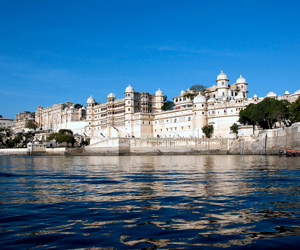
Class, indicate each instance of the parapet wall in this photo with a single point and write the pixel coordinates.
(24, 151)
(150, 146)
(265, 142)
(268, 141)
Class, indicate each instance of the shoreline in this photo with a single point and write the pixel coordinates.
(267, 142)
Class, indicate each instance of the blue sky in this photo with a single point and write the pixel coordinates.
(57, 51)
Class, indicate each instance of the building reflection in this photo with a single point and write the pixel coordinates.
(210, 196)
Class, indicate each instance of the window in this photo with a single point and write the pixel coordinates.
(222, 83)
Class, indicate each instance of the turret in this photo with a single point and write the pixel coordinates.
(200, 114)
(222, 84)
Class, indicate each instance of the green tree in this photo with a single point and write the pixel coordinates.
(266, 113)
(78, 106)
(208, 130)
(198, 87)
(295, 111)
(65, 131)
(168, 105)
(63, 135)
(234, 128)
(245, 116)
(190, 95)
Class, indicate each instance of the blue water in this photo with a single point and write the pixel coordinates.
(150, 202)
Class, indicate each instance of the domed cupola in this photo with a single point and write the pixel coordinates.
(286, 92)
(222, 85)
(199, 98)
(271, 94)
(241, 80)
(159, 93)
(129, 89)
(222, 76)
(90, 100)
(111, 97)
(297, 92)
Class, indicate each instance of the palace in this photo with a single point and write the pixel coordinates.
(140, 114)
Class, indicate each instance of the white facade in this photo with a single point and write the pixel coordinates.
(6, 122)
(61, 116)
(139, 114)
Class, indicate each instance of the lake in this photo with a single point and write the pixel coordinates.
(150, 202)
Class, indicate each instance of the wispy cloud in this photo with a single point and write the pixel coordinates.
(204, 51)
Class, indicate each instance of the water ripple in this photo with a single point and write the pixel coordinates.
(163, 202)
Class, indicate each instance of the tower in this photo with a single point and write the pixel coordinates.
(200, 114)
(222, 85)
(242, 85)
(129, 111)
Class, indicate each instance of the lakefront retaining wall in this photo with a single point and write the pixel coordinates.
(264, 142)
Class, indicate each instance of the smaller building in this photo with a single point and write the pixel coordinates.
(61, 116)
(36, 147)
(22, 119)
(6, 122)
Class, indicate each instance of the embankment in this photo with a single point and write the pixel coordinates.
(264, 143)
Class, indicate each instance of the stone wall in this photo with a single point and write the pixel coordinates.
(263, 142)
(24, 151)
(268, 141)
(123, 146)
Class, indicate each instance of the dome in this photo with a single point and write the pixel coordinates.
(286, 93)
(271, 94)
(297, 92)
(90, 100)
(199, 98)
(129, 89)
(211, 100)
(241, 80)
(182, 93)
(111, 95)
(159, 93)
(255, 96)
(222, 76)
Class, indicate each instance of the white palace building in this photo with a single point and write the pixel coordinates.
(139, 114)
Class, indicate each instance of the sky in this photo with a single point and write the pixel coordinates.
(53, 51)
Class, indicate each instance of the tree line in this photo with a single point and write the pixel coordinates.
(271, 113)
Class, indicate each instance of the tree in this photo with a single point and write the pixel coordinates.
(168, 105)
(245, 115)
(190, 95)
(78, 106)
(198, 87)
(234, 128)
(266, 113)
(208, 130)
(65, 131)
(295, 111)
(63, 135)
(31, 124)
